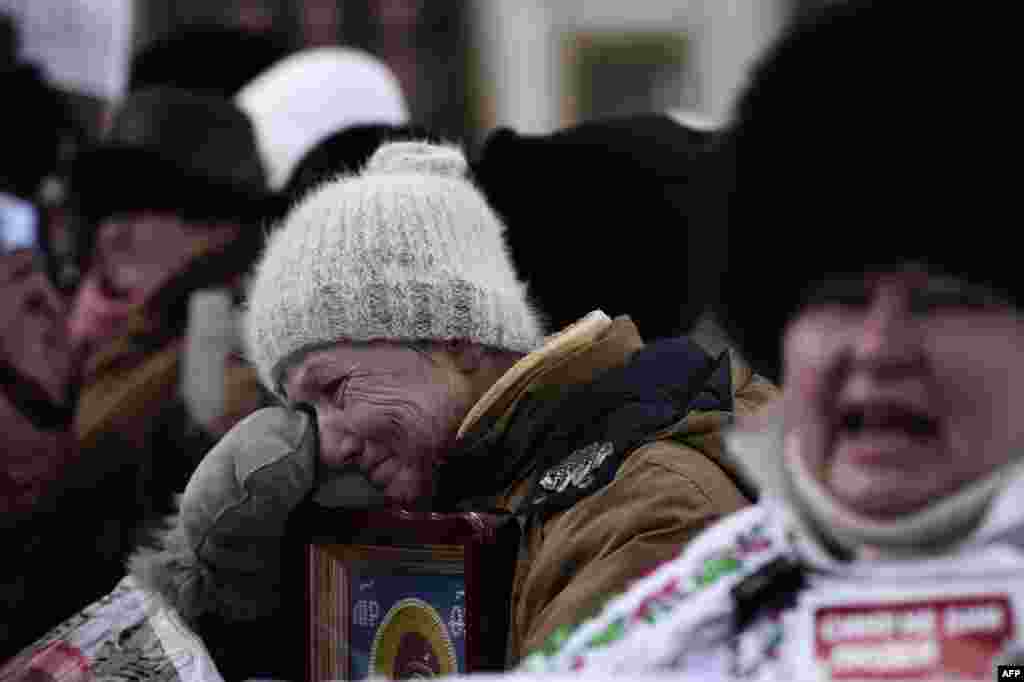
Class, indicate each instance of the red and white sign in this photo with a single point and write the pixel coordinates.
(913, 640)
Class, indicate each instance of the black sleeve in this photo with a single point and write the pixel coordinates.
(178, 444)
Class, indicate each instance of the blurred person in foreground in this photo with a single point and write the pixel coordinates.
(37, 449)
(889, 541)
(36, 393)
(176, 193)
(388, 318)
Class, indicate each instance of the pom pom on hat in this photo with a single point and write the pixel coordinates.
(418, 157)
(406, 250)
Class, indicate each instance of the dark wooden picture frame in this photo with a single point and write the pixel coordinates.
(431, 590)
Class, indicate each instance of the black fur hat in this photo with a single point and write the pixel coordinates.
(849, 152)
(172, 150)
(175, 150)
(209, 58)
(603, 215)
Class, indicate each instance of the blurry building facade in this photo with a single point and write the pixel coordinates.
(426, 44)
(551, 64)
(537, 65)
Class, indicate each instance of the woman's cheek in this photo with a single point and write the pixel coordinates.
(813, 347)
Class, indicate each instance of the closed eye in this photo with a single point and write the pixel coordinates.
(338, 388)
(335, 391)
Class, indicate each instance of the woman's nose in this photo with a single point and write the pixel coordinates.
(338, 446)
(889, 336)
(115, 234)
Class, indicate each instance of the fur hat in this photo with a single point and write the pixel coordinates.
(305, 97)
(406, 250)
(845, 155)
(191, 153)
(215, 59)
(604, 215)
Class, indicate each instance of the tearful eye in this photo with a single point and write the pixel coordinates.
(334, 391)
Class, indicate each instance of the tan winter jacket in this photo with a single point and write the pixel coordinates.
(664, 493)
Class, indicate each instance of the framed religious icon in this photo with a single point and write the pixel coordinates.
(405, 595)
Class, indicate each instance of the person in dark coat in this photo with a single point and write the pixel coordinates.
(176, 193)
(37, 449)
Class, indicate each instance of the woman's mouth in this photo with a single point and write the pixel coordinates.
(884, 432)
(112, 290)
(857, 420)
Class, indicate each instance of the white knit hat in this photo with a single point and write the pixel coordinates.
(312, 94)
(406, 250)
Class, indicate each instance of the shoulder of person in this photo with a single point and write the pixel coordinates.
(623, 412)
(727, 551)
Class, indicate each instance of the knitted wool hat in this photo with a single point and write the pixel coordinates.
(406, 250)
(345, 152)
(306, 96)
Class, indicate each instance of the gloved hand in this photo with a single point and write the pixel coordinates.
(223, 551)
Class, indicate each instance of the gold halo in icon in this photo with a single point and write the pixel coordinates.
(412, 643)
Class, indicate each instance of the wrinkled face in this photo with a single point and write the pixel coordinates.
(135, 254)
(385, 408)
(901, 387)
(33, 331)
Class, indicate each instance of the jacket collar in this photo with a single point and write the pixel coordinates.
(575, 355)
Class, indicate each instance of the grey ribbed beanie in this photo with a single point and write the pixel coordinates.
(408, 249)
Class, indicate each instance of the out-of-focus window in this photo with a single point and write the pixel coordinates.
(617, 74)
